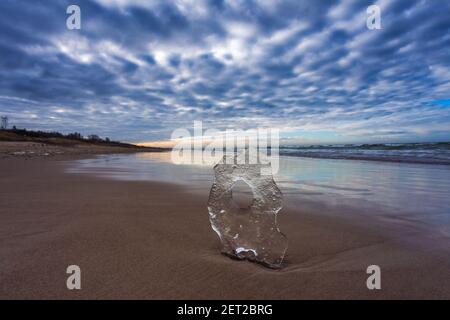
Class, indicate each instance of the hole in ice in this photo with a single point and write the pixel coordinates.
(242, 194)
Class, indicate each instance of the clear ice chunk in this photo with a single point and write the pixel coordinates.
(248, 233)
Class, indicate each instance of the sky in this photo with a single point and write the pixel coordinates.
(139, 69)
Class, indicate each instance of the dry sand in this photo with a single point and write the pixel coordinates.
(153, 241)
(28, 149)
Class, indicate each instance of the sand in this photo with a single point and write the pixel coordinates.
(142, 240)
(64, 149)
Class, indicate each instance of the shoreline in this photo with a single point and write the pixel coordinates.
(149, 240)
(33, 149)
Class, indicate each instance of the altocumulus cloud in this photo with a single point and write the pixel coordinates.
(139, 69)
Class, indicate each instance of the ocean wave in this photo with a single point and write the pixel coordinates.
(427, 153)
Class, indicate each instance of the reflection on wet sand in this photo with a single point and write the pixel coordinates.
(416, 189)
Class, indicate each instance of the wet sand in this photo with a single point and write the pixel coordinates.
(146, 240)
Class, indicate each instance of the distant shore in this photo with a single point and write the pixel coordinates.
(22, 149)
(29, 144)
(150, 240)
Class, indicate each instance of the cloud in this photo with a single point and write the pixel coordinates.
(139, 69)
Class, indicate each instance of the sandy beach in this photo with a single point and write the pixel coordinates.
(146, 240)
(119, 118)
(32, 149)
